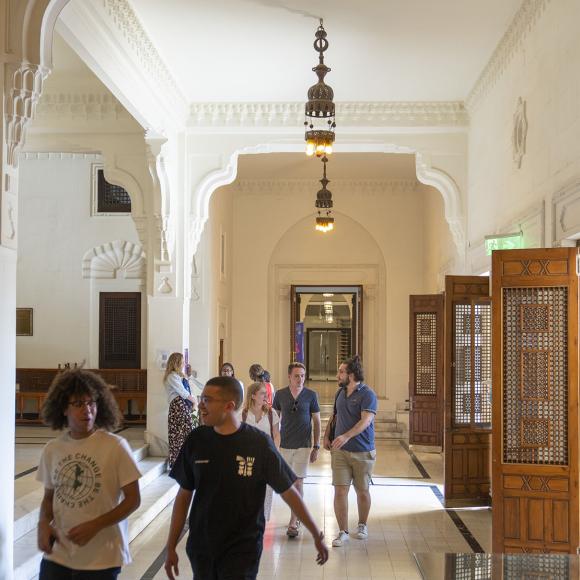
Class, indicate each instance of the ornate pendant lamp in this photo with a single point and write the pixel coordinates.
(319, 110)
(324, 220)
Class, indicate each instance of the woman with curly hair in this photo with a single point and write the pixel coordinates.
(257, 413)
(90, 482)
(181, 405)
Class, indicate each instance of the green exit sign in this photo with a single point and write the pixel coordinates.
(504, 242)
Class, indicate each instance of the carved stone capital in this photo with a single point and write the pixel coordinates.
(22, 89)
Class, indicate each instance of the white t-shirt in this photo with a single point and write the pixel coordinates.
(264, 423)
(87, 476)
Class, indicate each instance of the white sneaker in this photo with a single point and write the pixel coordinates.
(362, 532)
(340, 539)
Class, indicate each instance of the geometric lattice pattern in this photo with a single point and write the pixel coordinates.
(535, 317)
(462, 364)
(468, 566)
(472, 364)
(120, 318)
(426, 353)
(111, 198)
(535, 432)
(536, 567)
(535, 375)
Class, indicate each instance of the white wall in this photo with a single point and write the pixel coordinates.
(540, 64)
(56, 229)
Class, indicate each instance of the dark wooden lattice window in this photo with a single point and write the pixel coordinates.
(120, 330)
(111, 198)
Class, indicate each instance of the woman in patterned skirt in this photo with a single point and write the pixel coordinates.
(181, 405)
(257, 413)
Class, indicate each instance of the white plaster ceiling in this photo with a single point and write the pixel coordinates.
(380, 50)
(348, 166)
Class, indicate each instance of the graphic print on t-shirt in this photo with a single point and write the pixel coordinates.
(245, 466)
(78, 480)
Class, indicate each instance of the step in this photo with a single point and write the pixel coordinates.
(388, 435)
(388, 426)
(155, 497)
(27, 507)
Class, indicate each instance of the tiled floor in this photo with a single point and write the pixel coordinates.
(406, 517)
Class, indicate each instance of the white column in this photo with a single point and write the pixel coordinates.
(7, 390)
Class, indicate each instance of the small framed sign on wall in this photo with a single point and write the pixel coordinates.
(24, 322)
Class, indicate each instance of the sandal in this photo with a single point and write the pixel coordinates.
(292, 531)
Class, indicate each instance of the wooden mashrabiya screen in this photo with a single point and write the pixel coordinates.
(467, 391)
(426, 370)
(535, 400)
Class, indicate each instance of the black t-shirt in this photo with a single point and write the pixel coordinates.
(229, 474)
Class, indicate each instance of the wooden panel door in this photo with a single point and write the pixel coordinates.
(426, 370)
(467, 391)
(120, 330)
(535, 400)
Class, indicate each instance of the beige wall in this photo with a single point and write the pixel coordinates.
(385, 238)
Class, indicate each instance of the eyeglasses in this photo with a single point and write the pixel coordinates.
(205, 399)
(81, 404)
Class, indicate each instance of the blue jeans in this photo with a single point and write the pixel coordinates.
(53, 571)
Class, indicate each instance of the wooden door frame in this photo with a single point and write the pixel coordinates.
(431, 304)
(463, 441)
(538, 268)
(294, 313)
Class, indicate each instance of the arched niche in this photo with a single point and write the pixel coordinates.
(348, 256)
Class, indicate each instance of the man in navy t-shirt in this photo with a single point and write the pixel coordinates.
(228, 464)
(353, 447)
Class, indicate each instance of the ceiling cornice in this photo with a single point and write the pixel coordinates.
(521, 25)
(376, 114)
(362, 187)
(85, 106)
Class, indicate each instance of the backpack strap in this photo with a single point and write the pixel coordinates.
(271, 419)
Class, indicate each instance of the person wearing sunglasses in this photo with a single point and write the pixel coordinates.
(228, 464)
(300, 415)
(90, 482)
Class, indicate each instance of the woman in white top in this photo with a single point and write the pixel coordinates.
(181, 405)
(257, 413)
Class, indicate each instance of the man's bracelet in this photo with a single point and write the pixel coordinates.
(316, 447)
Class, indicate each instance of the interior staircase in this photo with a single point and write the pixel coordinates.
(157, 491)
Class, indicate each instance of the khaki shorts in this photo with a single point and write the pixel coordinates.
(297, 459)
(349, 466)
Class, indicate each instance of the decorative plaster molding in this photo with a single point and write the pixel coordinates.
(519, 133)
(59, 156)
(249, 187)
(444, 113)
(85, 106)
(107, 260)
(130, 27)
(566, 213)
(521, 25)
(22, 89)
(449, 190)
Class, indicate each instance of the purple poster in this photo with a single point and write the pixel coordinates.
(299, 342)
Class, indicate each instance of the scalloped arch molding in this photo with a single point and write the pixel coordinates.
(110, 259)
(426, 174)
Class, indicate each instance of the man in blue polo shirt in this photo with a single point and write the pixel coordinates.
(353, 447)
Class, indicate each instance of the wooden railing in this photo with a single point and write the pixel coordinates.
(129, 387)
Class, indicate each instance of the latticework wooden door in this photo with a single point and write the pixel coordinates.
(426, 370)
(535, 404)
(120, 330)
(467, 390)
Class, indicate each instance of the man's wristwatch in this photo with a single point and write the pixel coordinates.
(316, 447)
